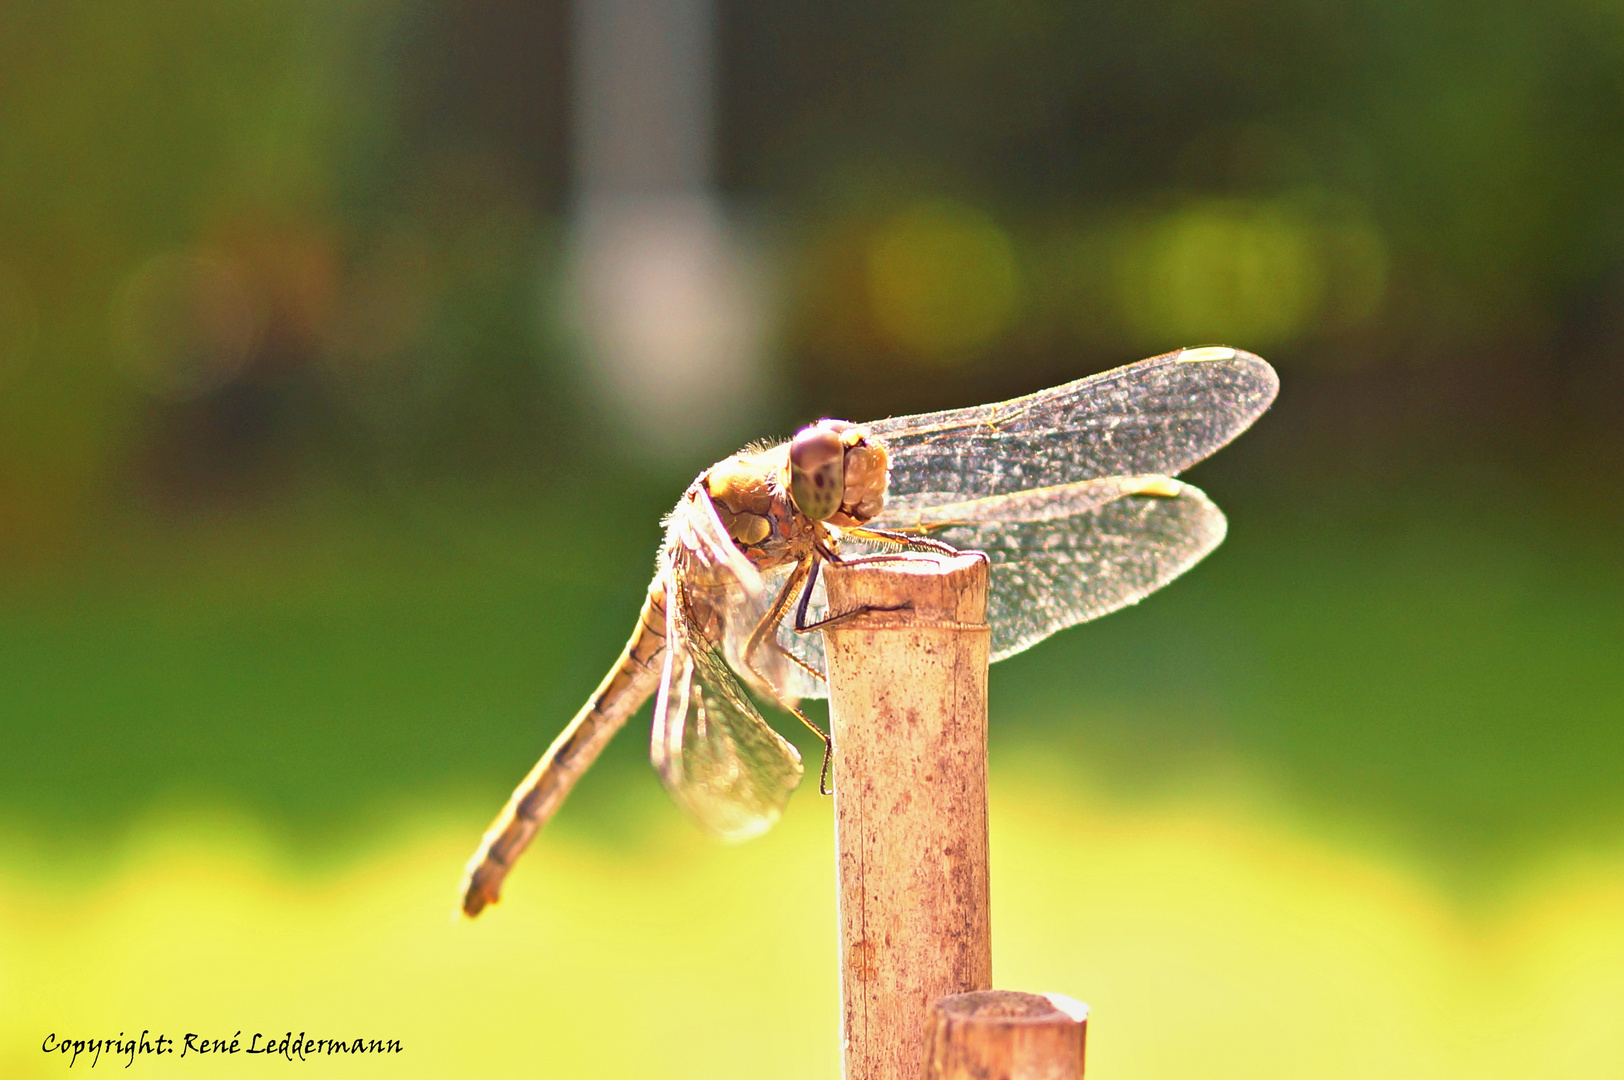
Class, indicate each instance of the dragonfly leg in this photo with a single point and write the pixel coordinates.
(828, 743)
(768, 626)
(804, 627)
(766, 630)
(806, 597)
(877, 557)
(797, 661)
(846, 616)
(908, 540)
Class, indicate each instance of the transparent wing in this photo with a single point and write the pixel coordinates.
(1160, 415)
(696, 538)
(1060, 556)
(787, 668)
(1049, 573)
(1068, 491)
(796, 676)
(717, 756)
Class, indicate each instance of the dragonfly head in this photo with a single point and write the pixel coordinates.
(836, 472)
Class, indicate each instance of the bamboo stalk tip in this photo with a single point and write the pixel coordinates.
(1005, 1035)
(933, 586)
(1013, 1006)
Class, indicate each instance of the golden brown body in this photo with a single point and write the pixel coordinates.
(622, 692)
(1068, 491)
(750, 496)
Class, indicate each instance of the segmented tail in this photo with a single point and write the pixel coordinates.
(628, 684)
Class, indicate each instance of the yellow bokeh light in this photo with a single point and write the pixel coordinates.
(943, 280)
(1211, 936)
(1221, 271)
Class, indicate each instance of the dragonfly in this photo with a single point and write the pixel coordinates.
(1069, 492)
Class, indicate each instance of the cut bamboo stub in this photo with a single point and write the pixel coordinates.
(1006, 1035)
(908, 715)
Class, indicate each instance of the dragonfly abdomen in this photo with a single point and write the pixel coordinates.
(628, 684)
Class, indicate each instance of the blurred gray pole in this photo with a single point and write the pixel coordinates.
(644, 116)
(668, 314)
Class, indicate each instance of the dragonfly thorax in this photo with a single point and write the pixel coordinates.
(769, 500)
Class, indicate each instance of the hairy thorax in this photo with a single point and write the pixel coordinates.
(753, 492)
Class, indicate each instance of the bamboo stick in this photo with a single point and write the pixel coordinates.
(1006, 1035)
(908, 714)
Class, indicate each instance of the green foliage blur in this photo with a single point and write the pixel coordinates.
(313, 533)
(366, 545)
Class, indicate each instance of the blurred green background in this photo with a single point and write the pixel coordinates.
(313, 529)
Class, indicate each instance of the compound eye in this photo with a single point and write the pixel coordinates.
(865, 475)
(817, 463)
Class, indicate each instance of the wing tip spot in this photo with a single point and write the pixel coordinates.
(1164, 486)
(1206, 354)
